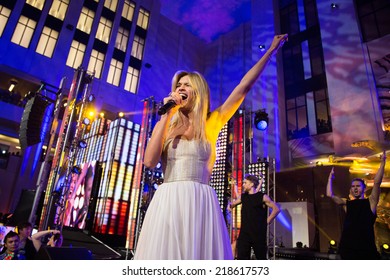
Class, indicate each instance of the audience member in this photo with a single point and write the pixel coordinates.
(26, 246)
(55, 239)
(3, 231)
(11, 245)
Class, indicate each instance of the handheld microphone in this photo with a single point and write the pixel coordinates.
(169, 105)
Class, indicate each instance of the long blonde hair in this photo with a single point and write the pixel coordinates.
(200, 102)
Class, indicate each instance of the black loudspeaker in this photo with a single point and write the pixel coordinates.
(32, 121)
(63, 253)
(23, 209)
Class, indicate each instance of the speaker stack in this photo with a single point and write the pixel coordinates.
(32, 121)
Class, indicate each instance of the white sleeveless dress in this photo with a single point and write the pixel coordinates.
(184, 220)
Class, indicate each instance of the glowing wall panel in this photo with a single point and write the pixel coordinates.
(114, 197)
(218, 179)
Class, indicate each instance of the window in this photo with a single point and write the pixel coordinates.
(4, 16)
(85, 20)
(132, 78)
(128, 10)
(76, 55)
(104, 30)
(58, 9)
(374, 18)
(143, 19)
(289, 19)
(24, 31)
(111, 4)
(96, 63)
(47, 42)
(138, 47)
(316, 56)
(311, 13)
(307, 108)
(121, 39)
(322, 112)
(36, 3)
(114, 74)
(297, 124)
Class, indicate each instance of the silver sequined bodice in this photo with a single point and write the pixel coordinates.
(186, 160)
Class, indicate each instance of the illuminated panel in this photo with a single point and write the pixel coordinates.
(136, 155)
(134, 177)
(87, 152)
(98, 154)
(110, 140)
(260, 169)
(114, 199)
(218, 179)
(104, 145)
(91, 147)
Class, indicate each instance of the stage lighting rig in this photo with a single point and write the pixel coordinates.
(261, 120)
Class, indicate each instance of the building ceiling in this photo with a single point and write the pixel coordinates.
(207, 19)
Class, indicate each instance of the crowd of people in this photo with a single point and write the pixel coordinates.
(21, 244)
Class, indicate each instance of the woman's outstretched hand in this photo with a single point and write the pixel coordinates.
(278, 42)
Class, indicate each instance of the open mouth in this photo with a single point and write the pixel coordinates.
(184, 96)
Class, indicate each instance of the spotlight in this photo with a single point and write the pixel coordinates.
(319, 163)
(12, 85)
(262, 48)
(76, 170)
(101, 115)
(82, 144)
(86, 121)
(334, 6)
(332, 247)
(261, 120)
(121, 115)
(385, 249)
(91, 98)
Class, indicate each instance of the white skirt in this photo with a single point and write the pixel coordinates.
(184, 221)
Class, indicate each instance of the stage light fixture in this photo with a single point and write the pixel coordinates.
(385, 249)
(262, 48)
(86, 121)
(332, 247)
(334, 6)
(261, 120)
(12, 85)
(121, 115)
(101, 115)
(91, 98)
(76, 170)
(82, 144)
